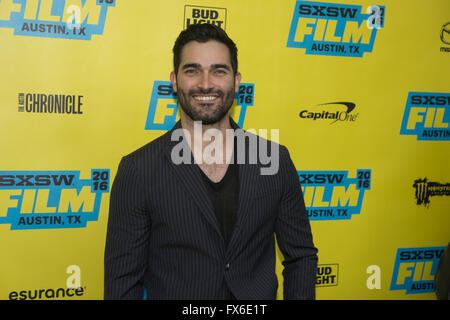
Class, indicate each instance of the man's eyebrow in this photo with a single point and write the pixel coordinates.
(191, 65)
(220, 66)
(212, 67)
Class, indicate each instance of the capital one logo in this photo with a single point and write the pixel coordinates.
(63, 19)
(163, 108)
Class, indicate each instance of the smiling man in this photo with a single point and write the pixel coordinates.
(200, 229)
(205, 83)
(205, 78)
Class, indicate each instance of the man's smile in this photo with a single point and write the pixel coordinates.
(206, 98)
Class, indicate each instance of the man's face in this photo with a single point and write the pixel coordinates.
(205, 82)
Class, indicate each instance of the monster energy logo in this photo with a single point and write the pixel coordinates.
(426, 189)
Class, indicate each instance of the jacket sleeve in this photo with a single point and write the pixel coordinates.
(127, 235)
(294, 237)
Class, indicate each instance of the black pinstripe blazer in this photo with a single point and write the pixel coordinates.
(163, 235)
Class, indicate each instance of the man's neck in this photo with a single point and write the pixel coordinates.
(204, 146)
(188, 124)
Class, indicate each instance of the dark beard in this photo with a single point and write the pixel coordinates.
(219, 114)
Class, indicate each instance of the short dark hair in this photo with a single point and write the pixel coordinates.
(203, 33)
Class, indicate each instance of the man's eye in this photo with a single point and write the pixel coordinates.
(220, 72)
(190, 71)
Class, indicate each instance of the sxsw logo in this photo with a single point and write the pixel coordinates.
(51, 199)
(332, 195)
(415, 268)
(427, 116)
(63, 19)
(334, 29)
(163, 108)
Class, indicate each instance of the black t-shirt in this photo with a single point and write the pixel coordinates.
(224, 196)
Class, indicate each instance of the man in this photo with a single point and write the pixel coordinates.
(202, 229)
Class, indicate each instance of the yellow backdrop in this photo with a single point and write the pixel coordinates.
(358, 89)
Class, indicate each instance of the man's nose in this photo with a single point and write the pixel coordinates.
(205, 82)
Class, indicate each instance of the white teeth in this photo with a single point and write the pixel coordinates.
(205, 98)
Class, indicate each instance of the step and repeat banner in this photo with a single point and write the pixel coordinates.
(359, 91)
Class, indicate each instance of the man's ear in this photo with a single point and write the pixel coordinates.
(173, 79)
(237, 81)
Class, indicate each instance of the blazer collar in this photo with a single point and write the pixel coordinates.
(190, 178)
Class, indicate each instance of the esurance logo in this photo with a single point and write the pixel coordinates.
(51, 199)
(332, 195)
(62, 19)
(415, 268)
(163, 108)
(334, 29)
(427, 116)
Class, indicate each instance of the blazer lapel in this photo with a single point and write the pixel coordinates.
(190, 178)
(248, 174)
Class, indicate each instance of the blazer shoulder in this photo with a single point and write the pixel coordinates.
(249, 137)
(282, 152)
(148, 152)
